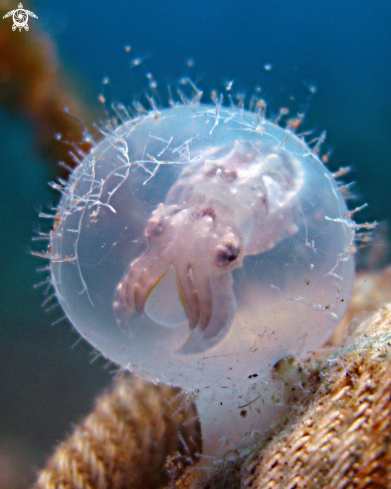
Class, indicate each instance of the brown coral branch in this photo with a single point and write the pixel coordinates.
(126, 441)
(343, 440)
(33, 86)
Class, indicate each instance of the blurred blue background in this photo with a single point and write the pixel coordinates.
(341, 47)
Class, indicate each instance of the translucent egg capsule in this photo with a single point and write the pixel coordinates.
(199, 246)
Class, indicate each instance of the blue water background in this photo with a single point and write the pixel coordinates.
(342, 47)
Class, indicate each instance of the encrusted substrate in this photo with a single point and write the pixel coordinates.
(125, 441)
(339, 435)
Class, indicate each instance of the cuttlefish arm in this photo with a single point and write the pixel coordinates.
(203, 251)
(222, 316)
(146, 271)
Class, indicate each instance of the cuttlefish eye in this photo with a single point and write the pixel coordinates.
(154, 228)
(226, 253)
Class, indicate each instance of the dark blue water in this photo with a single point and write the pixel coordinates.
(341, 47)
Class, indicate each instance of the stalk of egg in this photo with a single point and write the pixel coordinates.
(198, 246)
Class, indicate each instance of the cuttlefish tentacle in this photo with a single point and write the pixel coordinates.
(146, 271)
(143, 276)
(223, 314)
(188, 295)
(146, 281)
(205, 299)
(224, 301)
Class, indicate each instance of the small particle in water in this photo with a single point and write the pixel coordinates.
(228, 85)
(138, 60)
